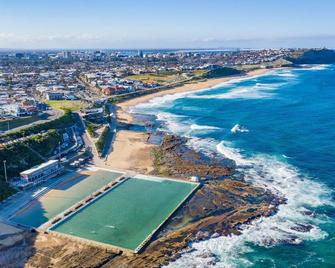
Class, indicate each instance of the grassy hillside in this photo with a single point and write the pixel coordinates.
(23, 155)
(313, 56)
(222, 72)
(67, 105)
(162, 78)
(20, 157)
(5, 190)
(65, 121)
(100, 144)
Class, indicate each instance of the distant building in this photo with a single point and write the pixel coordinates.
(93, 114)
(13, 110)
(19, 55)
(55, 95)
(41, 172)
(140, 53)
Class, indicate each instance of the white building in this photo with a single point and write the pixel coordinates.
(55, 95)
(41, 172)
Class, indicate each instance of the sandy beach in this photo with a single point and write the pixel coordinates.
(131, 152)
(124, 116)
(130, 149)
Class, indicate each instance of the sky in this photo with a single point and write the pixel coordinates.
(38, 24)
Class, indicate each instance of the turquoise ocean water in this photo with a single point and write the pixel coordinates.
(280, 130)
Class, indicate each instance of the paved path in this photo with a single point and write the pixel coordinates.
(53, 114)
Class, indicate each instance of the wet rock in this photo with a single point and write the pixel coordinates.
(175, 158)
(304, 228)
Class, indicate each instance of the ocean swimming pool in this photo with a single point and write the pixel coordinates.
(62, 196)
(129, 214)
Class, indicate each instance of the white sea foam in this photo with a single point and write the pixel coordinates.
(256, 91)
(202, 127)
(302, 194)
(295, 220)
(176, 127)
(313, 67)
(242, 79)
(156, 102)
(179, 125)
(287, 74)
(166, 100)
(164, 116)
(238, 128)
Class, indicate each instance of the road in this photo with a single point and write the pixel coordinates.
(53, 114)
(112, 128)
(97, 161)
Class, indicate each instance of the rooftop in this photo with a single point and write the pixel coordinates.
(38, 167)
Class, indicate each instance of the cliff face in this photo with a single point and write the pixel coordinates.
(314, 56)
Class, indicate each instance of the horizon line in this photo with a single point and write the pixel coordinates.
(162, 48)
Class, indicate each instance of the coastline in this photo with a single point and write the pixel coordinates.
(131, 151)
(201, 218)
(123, 114)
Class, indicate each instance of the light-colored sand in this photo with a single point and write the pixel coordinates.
(124, 116)
(131, 152)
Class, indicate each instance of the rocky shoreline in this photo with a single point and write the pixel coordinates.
(174, 158)
(221, 205)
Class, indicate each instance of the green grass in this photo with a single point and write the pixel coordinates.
(222, 72)
(154, 77)
(64, 121)
(129, 213)
(199, 72)
(100, 144)
(91, 128)
(67, 105)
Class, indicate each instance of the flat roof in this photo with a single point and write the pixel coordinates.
(38, 167)
(128, 215)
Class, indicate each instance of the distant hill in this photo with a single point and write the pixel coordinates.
(313, 56)
(222, 72)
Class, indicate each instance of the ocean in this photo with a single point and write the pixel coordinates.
(279, 128)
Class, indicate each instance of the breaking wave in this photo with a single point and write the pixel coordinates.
(178, 124)
(313, 67)
(295, 221)
(257, 91)
(238, 128)
(202, 127)
(286, 74)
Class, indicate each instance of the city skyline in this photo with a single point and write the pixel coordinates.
(173, 24)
